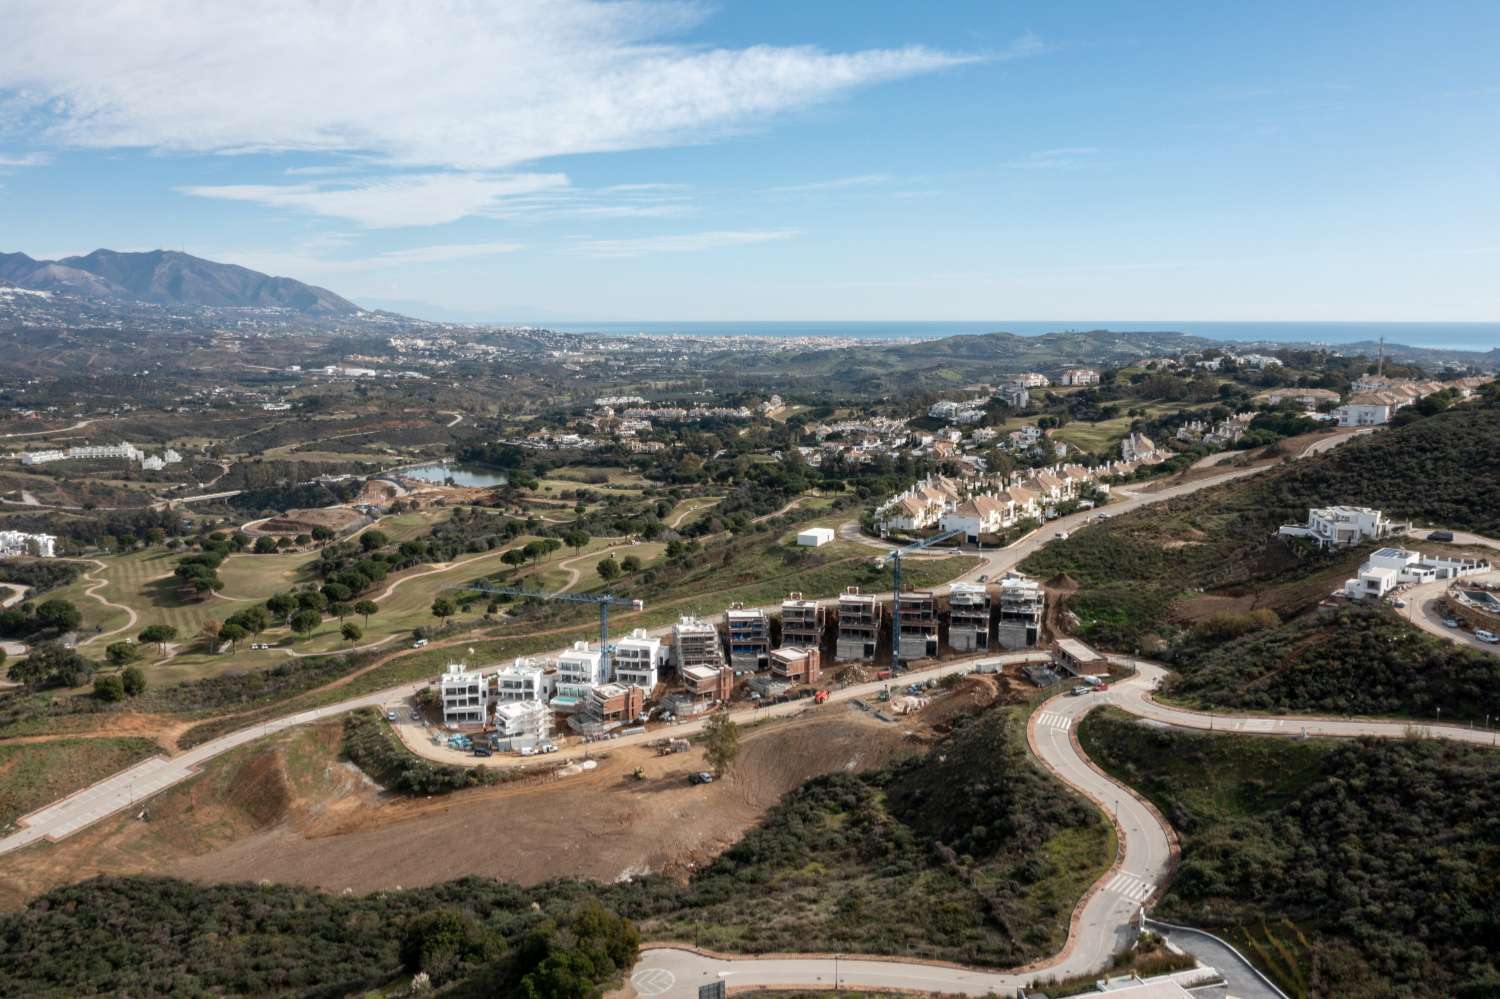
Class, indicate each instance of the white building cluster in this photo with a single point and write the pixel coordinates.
(103, 452)
(1389, 568)
(16, 543)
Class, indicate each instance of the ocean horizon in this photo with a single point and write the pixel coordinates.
(1434, 336)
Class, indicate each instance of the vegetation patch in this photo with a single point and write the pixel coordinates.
(370, 745)
(1357, 870)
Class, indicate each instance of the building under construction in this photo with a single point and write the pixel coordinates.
(749, 638)
(917, 624)
(801, 622)
(969, 618)
(859, 625)
(695, 643)
(1022, 602)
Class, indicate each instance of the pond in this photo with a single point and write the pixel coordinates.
(476, 476)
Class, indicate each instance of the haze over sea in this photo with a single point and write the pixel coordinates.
(1440, 336)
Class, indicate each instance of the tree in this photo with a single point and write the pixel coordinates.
(312, 600)
(3, 655)
(58, 614)
(122, 653)
(365, 608)
(209, 632)
(109, 688)
(534, 550)
(721, 743)
(321, 533)
(305, 620)
(233, 633)
(373, 539)
(441, 941)
(444, 608)
(351, 632)
(514, 557)
(577, 538)
(133, 679)
(630, 564)
(282, 605)
(608, 569)
(158, 635)
(340, 610)
(265, 545)
(253, 619)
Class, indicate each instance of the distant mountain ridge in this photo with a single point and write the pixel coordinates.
(167, 277)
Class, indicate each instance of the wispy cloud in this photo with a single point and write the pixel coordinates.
(404, 200)
(16, 160)
(517, 81)
(836, 184)
(443, 252)
(1064, 158)
(691, 242)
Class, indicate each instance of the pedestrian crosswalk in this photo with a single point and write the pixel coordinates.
(1130, 886)
(1051, 719)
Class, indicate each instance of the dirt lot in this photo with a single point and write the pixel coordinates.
(291, 811)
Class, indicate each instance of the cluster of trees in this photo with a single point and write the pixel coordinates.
(52, 664)
(39, 622)
(369, 745)
(1357, 870)
(40, 575)
(159, 937)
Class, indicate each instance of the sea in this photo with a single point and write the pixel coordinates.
(1436, 336)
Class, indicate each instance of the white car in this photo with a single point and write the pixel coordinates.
(420, 643)
(1487, 636)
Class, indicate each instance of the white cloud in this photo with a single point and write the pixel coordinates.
(443, 252)
(403, 200)
(447, 83)
(8, 160)
(690, 242)
(836, 184)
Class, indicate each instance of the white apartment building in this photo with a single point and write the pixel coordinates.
(1389, 568)
(1339, 526)
(1137, 447)
(579, 670)
(1014, 395)
(14, 543)
(465, 695)
(1032, 379)
(1078, 376)
(636, 660)
(524, 680)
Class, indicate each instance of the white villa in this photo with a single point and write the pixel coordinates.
(636, 660)
(579, 670)
(524, 680)
(1389, 568)
(527, 721)
(1340, 526)
(14, 543)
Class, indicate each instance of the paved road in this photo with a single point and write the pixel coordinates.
(16, 594)
(1422, 609)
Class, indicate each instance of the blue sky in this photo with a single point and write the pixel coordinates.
(570, 160)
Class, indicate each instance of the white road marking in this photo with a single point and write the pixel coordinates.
(1051, 719)
(1130, 885)
(653, 981)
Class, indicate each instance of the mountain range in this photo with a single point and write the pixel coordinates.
(167, 277)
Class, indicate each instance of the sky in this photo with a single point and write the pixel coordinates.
(568, 160)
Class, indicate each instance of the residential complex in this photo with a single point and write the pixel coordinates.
(1389, 568)
(636, 660)
(1022, 603)
(14, 543)
(465, 696)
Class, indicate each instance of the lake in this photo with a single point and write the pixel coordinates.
(476, 476)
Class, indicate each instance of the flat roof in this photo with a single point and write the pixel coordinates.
(1074, 649)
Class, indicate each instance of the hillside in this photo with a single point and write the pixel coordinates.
(167, 277)
(1351, 870)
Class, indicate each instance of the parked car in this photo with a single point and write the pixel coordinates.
(546, 747)
(528, 750)
(1400, 602)
(1080, 691)
(483, 751)
(1439, 535)
(701, 777)
(1061, 535)
(1487, 636)
(420, 643)
(984, 578)
(390, 716)
(1449, 622)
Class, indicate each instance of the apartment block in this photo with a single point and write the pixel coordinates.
(696, 643)
(1022, 602)
(801, 622)
(707, 683)
(797, 665)
(969, 618)
(749, 639)
(524, 680)
(917, 625)
(636, 660)
(579, 670)
(465, 695)
(859, 625)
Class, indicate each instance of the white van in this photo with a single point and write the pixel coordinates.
(1487, 636)
(420, 643)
